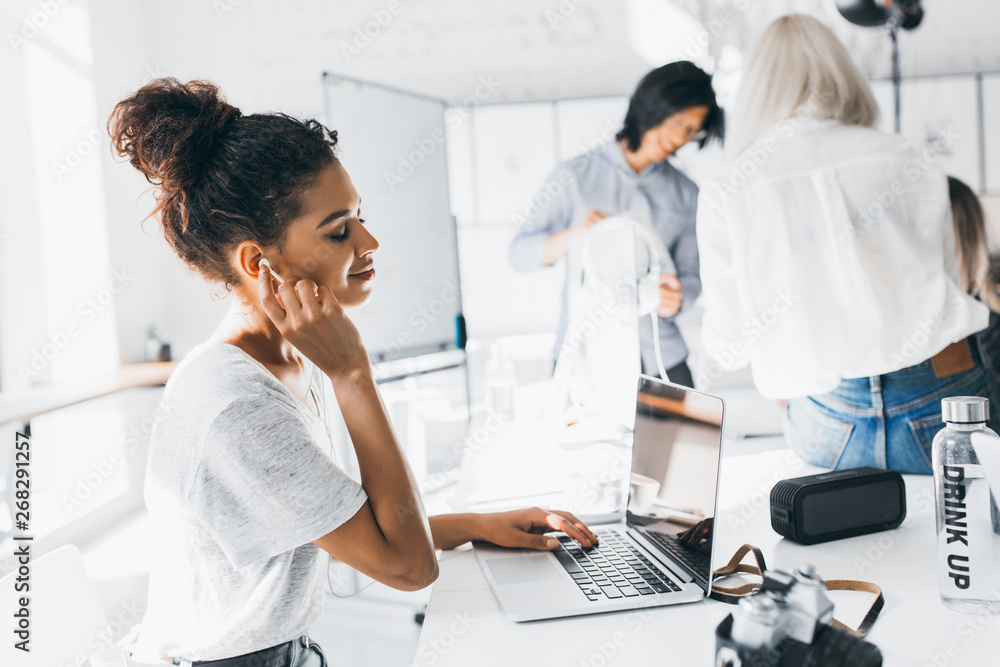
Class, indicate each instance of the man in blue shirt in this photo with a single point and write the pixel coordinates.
(672, 105)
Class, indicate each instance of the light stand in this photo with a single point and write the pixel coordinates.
(893, 14)
(897, 78)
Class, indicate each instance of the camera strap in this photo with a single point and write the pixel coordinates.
(869, 620)
(736, 565)
(732, 595)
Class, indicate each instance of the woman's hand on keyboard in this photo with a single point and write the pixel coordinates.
(524, 528)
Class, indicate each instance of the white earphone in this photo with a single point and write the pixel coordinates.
(281, 281)
(604, 263)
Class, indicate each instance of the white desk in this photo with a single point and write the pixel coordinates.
(464, 625)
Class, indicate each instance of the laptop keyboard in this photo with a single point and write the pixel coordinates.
(613, 569)
(696, 561)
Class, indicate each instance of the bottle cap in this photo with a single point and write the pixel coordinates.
(965, 409)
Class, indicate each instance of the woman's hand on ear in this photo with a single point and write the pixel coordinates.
(311, 319)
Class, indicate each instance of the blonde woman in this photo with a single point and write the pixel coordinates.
(829, 265)
(248, 505)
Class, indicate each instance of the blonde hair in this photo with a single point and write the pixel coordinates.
(798, 66)
(970, 242)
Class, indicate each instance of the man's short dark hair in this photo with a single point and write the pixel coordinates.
(665, 91)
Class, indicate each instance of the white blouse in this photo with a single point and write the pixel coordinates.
(827, 252)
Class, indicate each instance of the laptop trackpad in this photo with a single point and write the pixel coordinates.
(522, 570)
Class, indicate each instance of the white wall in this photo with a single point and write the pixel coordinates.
(20, 246)
(120, 66)
(189, 40)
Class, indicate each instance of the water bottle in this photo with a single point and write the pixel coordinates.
(501, 386)
(968, 525)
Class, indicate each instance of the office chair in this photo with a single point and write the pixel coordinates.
(67, 620)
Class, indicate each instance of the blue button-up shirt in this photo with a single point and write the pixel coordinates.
(601, 179)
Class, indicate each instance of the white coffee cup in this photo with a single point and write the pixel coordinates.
(642, 492)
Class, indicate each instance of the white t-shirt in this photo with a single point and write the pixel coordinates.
(240, 480)
(827, 252)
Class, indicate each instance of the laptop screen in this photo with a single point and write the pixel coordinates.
(675, 468)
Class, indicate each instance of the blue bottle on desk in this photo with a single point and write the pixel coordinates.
(968, 524)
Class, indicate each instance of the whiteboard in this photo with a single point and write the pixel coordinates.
(392, 144)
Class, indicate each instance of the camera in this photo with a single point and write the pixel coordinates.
(788, 622)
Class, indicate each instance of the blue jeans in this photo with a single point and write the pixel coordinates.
(886, 421)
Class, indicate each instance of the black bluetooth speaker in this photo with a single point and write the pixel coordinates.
(838, 504)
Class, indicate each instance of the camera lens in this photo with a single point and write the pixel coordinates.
(836, 647)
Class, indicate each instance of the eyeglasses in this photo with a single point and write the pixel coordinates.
(690, 133)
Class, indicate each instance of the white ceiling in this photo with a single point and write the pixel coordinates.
(571, 48)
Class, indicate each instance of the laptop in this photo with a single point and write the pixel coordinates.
(658, 551)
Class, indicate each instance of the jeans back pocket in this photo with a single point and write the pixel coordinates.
(817, 437)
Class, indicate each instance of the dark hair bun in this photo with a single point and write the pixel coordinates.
(169, 130)
(222, 177)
